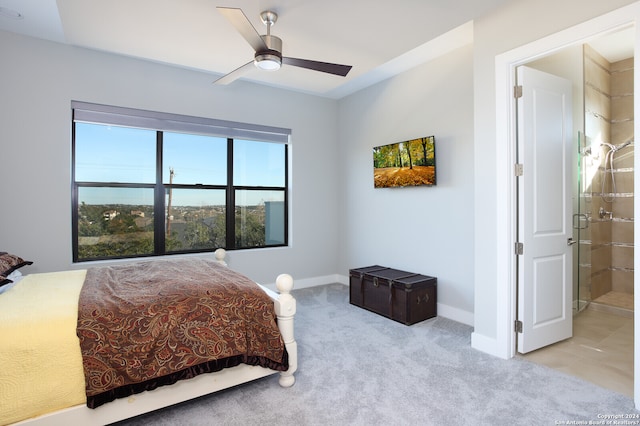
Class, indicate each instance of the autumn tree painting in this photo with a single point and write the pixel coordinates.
(408, 163)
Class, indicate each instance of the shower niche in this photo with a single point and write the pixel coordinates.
(604, 221)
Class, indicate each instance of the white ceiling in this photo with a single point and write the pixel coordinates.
(615, 45)
(378, 38)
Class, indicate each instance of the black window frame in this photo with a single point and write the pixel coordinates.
(164, 122)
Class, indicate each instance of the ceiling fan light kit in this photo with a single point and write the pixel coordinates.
(271, 59)
(268, 62)
(268, 48)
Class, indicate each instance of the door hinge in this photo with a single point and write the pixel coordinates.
(519, 248)
(517, 92)
(518, 169)
(518, 326)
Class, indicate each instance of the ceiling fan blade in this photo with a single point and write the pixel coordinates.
(235, 74)
(337, 69)
(242, 24)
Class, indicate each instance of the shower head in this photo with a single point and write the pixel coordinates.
(622, 145)
(614, 148)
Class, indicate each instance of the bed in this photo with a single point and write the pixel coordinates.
(69, 371)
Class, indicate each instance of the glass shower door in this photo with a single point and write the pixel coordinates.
(582, 230)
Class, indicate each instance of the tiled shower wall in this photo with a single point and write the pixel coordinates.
(606, 249)
(623, 217)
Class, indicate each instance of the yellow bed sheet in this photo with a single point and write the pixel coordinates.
(40, 360)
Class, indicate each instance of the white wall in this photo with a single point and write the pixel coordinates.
(495, 35)
(427, 230)
(39, 80)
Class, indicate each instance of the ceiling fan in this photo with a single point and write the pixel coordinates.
(268, 48)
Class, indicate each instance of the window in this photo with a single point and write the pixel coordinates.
(147, 183)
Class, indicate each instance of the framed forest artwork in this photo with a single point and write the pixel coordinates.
(408, 163)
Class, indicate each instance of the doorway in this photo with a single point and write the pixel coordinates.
(601, 350)
(502, 344)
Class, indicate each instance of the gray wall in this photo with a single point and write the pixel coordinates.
(427, 230)
(39, 80)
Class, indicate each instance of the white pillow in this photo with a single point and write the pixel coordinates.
(7, 287)
(15, 276)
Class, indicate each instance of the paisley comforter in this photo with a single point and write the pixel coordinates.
(153, 323)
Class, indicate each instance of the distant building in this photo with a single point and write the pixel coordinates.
(110, 214)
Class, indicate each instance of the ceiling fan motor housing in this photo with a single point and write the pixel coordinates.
(270, 59)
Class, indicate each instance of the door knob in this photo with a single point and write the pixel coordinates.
(571, 241)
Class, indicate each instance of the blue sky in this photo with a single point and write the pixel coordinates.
(127, 155)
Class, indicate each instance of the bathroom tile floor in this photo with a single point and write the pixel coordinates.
(617, 299)
(600, 351)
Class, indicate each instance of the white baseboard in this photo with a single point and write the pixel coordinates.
(343, 279)
(487, 344)
(313, 282)
(445, 311)
(455, 314)
(310, 282)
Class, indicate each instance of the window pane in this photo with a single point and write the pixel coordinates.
(260, 218)
(114, 222)
(258, 163)
(195, 219)
(194, 159)
(114, 154)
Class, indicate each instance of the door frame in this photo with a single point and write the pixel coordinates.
(506, 201)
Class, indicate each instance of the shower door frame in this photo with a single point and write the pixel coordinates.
(581, 222)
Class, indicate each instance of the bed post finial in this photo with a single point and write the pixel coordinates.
(284, 283)
(285, 307)
(220, 254)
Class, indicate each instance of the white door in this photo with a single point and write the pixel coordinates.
(544, 209)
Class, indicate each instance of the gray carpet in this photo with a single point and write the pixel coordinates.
(358, 368)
